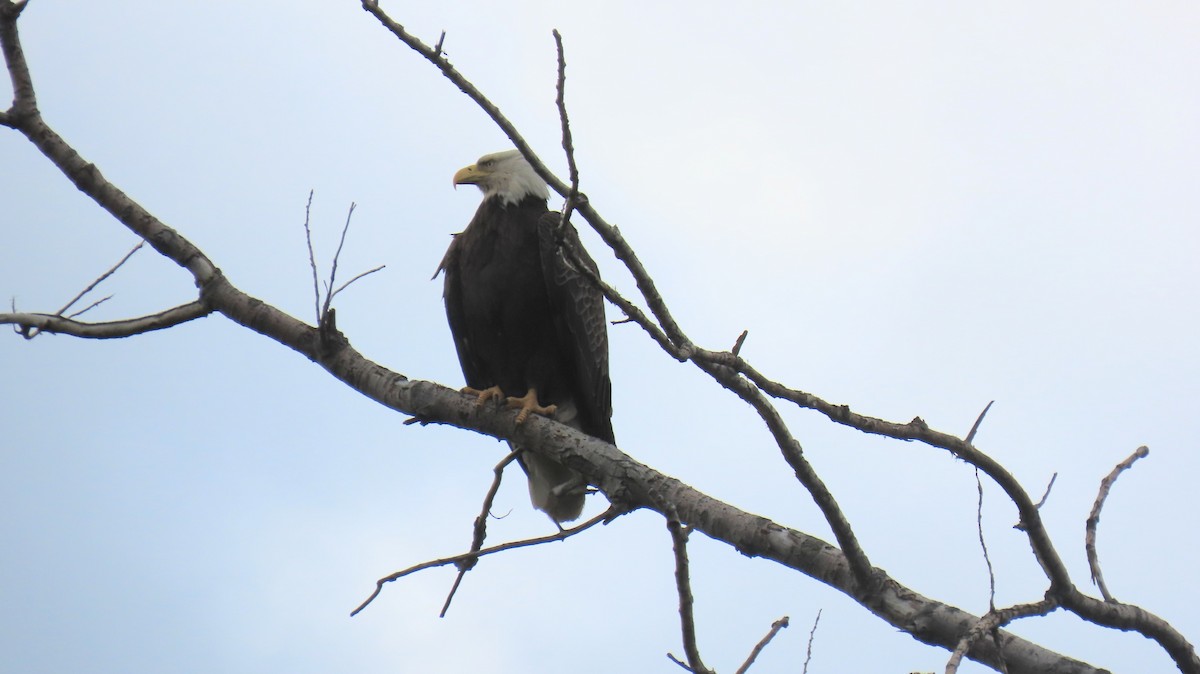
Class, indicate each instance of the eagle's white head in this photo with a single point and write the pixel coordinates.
(505, 175)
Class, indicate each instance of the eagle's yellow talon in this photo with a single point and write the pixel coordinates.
(483, 395)
(528, 404)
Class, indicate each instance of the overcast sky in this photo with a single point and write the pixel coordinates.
(914, 208)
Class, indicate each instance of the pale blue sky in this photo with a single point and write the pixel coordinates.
(913, 209)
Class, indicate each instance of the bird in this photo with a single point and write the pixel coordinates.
(528, 325)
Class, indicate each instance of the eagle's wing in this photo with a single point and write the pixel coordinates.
(456, 316)
(578, 307)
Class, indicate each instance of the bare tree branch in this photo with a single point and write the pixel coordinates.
(1093, 519)
(758, 648)
(623, 480)
(479, 530)
(24, 100)
(25, 323)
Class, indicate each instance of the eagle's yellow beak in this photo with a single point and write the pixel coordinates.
(469, 175)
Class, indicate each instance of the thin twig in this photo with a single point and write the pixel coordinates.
(758, 648)
(312, 258)
(683, 583)
(561, 535)
(987, 558)
(811, 635)
(1046, 494)
(983, 543)
(975, 427)
(737, 345)
(100, 280)
(365, 273)
(1093, 519)
(1020, 526)
(329, 293)
(681, 663)
(479, 531)
(91, 306)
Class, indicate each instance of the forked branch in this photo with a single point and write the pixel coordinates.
(27, 325)
(473, 555)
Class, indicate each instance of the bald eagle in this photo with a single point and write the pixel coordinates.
(528, 326)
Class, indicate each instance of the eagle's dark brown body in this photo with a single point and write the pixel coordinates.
(524, 317)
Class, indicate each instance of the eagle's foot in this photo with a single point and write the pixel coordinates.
(490, 393)
(528, 404)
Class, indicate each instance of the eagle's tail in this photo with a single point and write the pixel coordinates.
(554, 489)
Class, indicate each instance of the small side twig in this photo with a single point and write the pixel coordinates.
(978, 421)
(1046, 494)
(1093, 519)
(91, 306)
(347, 283)
(479, 531)
(758, 648)
(456, 559)
(679, 536)
(1020, 526)
(737, 346)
